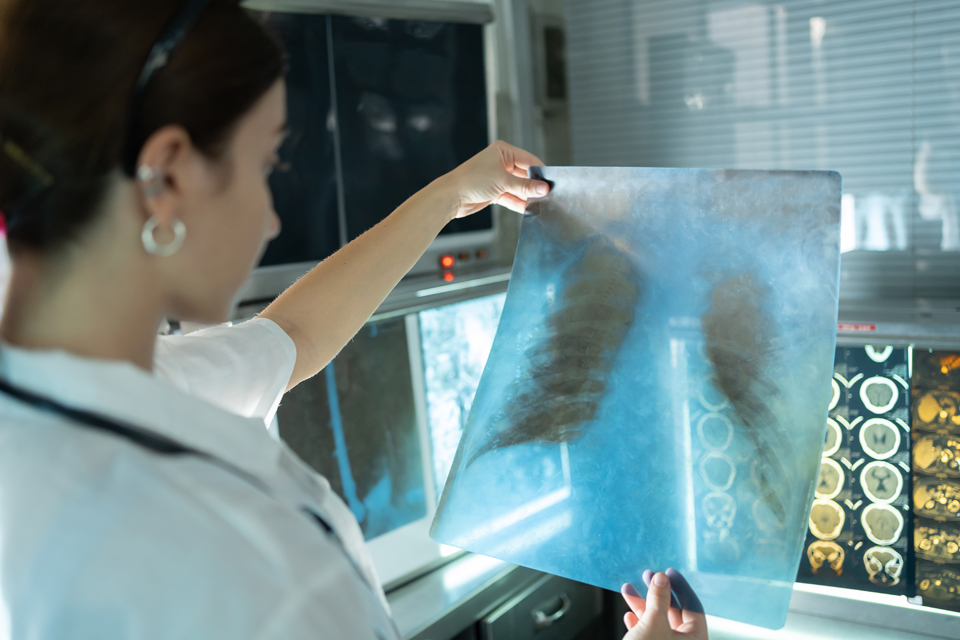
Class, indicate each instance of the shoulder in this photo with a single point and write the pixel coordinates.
(242, 368)
(245, 338)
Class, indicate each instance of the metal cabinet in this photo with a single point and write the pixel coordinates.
(551, 608)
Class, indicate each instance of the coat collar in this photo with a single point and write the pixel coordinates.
(121, 391)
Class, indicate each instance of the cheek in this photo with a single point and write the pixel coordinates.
(254, 205)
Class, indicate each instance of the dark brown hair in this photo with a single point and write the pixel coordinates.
(67, 75)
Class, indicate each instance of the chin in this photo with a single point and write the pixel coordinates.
(206, 312)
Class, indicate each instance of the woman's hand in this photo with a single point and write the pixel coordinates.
(496, 175)
(655, 619)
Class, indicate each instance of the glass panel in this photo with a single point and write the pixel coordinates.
(305, 193)
(355, 423)
(456, 341)
(411, 99)
(869, 88)
(657, 389)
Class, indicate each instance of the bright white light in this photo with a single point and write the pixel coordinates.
(518, 514)
(469, 568)
(848, 223)
(818, 27)
(537, 536)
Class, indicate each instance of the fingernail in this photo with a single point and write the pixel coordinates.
(661, 580)
(629, 590)
(542, 189)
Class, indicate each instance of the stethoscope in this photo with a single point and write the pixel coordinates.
(162, 445)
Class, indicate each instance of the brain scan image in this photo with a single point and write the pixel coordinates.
(879, 394)
(878, 354)
(833, 439)
(826, 558)
(826, 519)
(651, 351)
(882, 523)
(830, 481)
(879, 438)
(881, 481)
(834, 394)
(884, 565)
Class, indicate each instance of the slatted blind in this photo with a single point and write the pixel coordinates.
(870, 88)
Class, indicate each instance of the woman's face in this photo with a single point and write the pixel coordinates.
(230, 218)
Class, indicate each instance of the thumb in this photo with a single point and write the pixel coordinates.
(524, 188)
(658, 602)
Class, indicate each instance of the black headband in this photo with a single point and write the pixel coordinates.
(159, 56)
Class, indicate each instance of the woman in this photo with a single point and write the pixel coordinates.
(140, 495)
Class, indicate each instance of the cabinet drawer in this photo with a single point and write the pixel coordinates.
(552, 608)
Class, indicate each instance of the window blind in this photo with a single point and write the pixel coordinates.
(869, 88)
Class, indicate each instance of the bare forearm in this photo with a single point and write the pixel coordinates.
(326, 308)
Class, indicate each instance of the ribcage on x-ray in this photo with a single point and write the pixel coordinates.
(570, 363)
(740, 347)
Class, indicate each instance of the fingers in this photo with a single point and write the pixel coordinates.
(512, 202)
(685, 596)
(693, 617)
(648, 576)
(524, 188)
(517, 157)
(658, 601)
(630, 620)
(517, 171)
(675, 617)
(633, 599)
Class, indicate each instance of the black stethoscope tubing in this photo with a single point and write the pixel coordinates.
(160, 445)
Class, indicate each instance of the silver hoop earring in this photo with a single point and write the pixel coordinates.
(153, 247)
(151, 182)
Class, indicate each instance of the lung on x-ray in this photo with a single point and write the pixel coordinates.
(657, 391)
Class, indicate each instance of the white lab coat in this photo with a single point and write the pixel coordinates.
(103, 539)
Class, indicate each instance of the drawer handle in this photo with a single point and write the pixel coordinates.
(541, 620)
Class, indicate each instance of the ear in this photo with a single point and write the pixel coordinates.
(171, 156)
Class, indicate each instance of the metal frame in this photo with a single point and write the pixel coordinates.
(472, 11)
(872, 610)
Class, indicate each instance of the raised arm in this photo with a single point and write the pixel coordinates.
(326, 308)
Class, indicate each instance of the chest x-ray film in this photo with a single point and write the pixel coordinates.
(657, 391)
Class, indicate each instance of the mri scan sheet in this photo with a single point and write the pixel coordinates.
(657, 391)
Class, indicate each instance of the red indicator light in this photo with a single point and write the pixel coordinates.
(446, 262)
(482, 253)
(448, 276)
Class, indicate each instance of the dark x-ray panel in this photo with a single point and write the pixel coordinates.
(656, 394)
(354, 423)
(859, 533)
(305, 190)
(411, 101)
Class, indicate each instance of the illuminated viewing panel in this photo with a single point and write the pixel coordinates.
(655, 393)
(456, 341)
